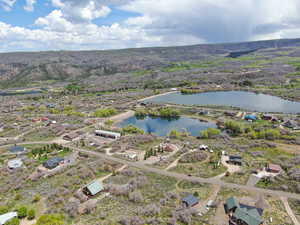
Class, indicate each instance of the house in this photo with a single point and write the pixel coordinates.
(273, 168)
(17, 149)
(7, 217)
(240, 214)
(270, 117)
(235, 159)
(93, 188)
(291, 124)
(14, 164)
(53, 163)
(167, 147)
(204, 112)
(250, 117)
(108, 134)
(71, 137)
(190, 201)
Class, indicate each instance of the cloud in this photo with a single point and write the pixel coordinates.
(7, 4)
(161, 23)
(215, 21)
(79, 11)
(30, 5)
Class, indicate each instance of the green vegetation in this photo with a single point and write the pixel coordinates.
(31, 214)
(22, 212)
(235, 127)
(174, 67)
(14, 221)
(142, 72)
(73, 88)
(109, 122)
(51, 219)
(177, 134)
(42, 153)
(190, 91)
(107, 112)
(210, 133)
(130, 129)
(161, 112)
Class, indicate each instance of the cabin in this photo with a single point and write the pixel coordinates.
(7, 217)
(273, 168)
(17, 149)
(53, 163)
(190, 201)
(240, 214)
(107, 134)
(235, 159)
(93, 188)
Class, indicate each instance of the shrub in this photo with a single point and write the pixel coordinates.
(51, 219)
(14, 221)
(210, 133)
(3, 210)
(31, 214)
(36, 198)
(105, 112)
(130, 129)
(22, 212)
(235, 127)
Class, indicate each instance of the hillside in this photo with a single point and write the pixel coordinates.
(40, 68)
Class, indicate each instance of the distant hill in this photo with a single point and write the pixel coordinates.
(17, 69)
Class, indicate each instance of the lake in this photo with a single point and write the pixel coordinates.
(162, 127)
(242, 99)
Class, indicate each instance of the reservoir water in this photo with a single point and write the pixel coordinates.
(242, 99)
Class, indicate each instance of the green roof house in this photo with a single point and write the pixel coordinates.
(240, 214)
(93, 188)
(231, 205)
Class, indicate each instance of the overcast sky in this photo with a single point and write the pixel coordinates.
(35, 25)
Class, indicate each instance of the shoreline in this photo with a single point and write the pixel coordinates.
(154, 96)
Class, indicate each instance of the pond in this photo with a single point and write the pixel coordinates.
(20, 93)
(242, 99)
(162, 127)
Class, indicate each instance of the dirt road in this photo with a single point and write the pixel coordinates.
(289, 210)
(141, 166)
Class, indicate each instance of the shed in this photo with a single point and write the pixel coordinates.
(52, 163)
(7, 217)
(190, 200)
(93, 188)
(14, 163)
(17, 149)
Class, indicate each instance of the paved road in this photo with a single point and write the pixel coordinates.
(141, 166)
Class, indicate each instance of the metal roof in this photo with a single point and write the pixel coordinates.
(232, 203)
(190, 200)
(17, 148)
(107, 133)
(95, 187)
(7, 217)
(15, 163)
(251, 217)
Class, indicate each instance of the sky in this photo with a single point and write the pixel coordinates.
(41, 25)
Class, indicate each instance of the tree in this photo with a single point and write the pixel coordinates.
(22, 212)
(51, 219)
(31, 214)
(210, 133)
